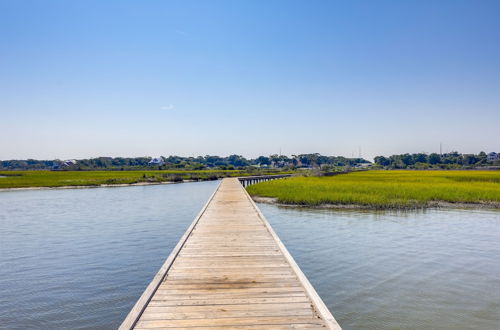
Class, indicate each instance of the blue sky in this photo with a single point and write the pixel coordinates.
(131, 78)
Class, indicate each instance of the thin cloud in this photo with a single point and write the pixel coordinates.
(167, 107)
(182, 33)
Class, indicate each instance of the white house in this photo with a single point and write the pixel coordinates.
(493, 156)
(156, 161)
(58, 164)
(70, 162)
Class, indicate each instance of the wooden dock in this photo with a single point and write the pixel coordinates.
(230, 270)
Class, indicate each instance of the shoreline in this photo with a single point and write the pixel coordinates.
(274, 201)
(117, 185)
(432, 205)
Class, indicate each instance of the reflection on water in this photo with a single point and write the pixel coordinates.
(438, 269)
(80, 258)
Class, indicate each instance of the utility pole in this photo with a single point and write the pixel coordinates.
(440, 148)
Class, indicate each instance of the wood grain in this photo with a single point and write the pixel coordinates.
(230, 270)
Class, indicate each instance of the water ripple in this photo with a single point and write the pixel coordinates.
(436, 269)
(79, 259)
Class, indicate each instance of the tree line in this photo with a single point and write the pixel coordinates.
(434, 160)
(312, 160)
(189, 163)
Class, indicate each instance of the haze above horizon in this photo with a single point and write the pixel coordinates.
(82, 79)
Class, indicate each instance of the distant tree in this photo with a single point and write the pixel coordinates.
(322, 160)
(213, 161)
(313, 159)
(469, 159)
(419, 158)
(434, 159)
(381, 160)
(446, 161)
(197, 166)
(422, 166)
(262, 160)
(407, 159)
(237, 160)
(274, 159)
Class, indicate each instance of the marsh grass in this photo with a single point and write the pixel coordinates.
(386, 189)
(24, 179)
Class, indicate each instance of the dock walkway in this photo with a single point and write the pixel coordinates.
(230, 270)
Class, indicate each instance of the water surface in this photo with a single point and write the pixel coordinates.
(438, 269)
(80, 258)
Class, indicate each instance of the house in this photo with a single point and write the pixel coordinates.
(493, 156)
(364, 165)
(157, 161)
(58, 165)
(69, 162)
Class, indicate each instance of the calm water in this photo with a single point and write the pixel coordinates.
(429, 270)
(80, 258)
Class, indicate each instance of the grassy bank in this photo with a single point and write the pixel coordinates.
(24, 179)
(386, 189)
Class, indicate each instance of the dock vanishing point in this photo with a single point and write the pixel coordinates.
(230, 270)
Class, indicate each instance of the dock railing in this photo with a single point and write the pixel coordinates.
(249, 180)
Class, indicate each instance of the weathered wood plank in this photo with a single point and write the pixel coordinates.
(223, 313)
(253, 327)
(230, 270)
(230, 301)
(270, 321)
(229, 307)
(209, 278)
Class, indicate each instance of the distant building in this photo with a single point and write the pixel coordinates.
(493, 156)
(69, 162)
(58, 164)
(364, 165)
(157, 161)
(281, 163)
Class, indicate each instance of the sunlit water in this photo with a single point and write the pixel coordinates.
(438, 269)
(80, 258)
